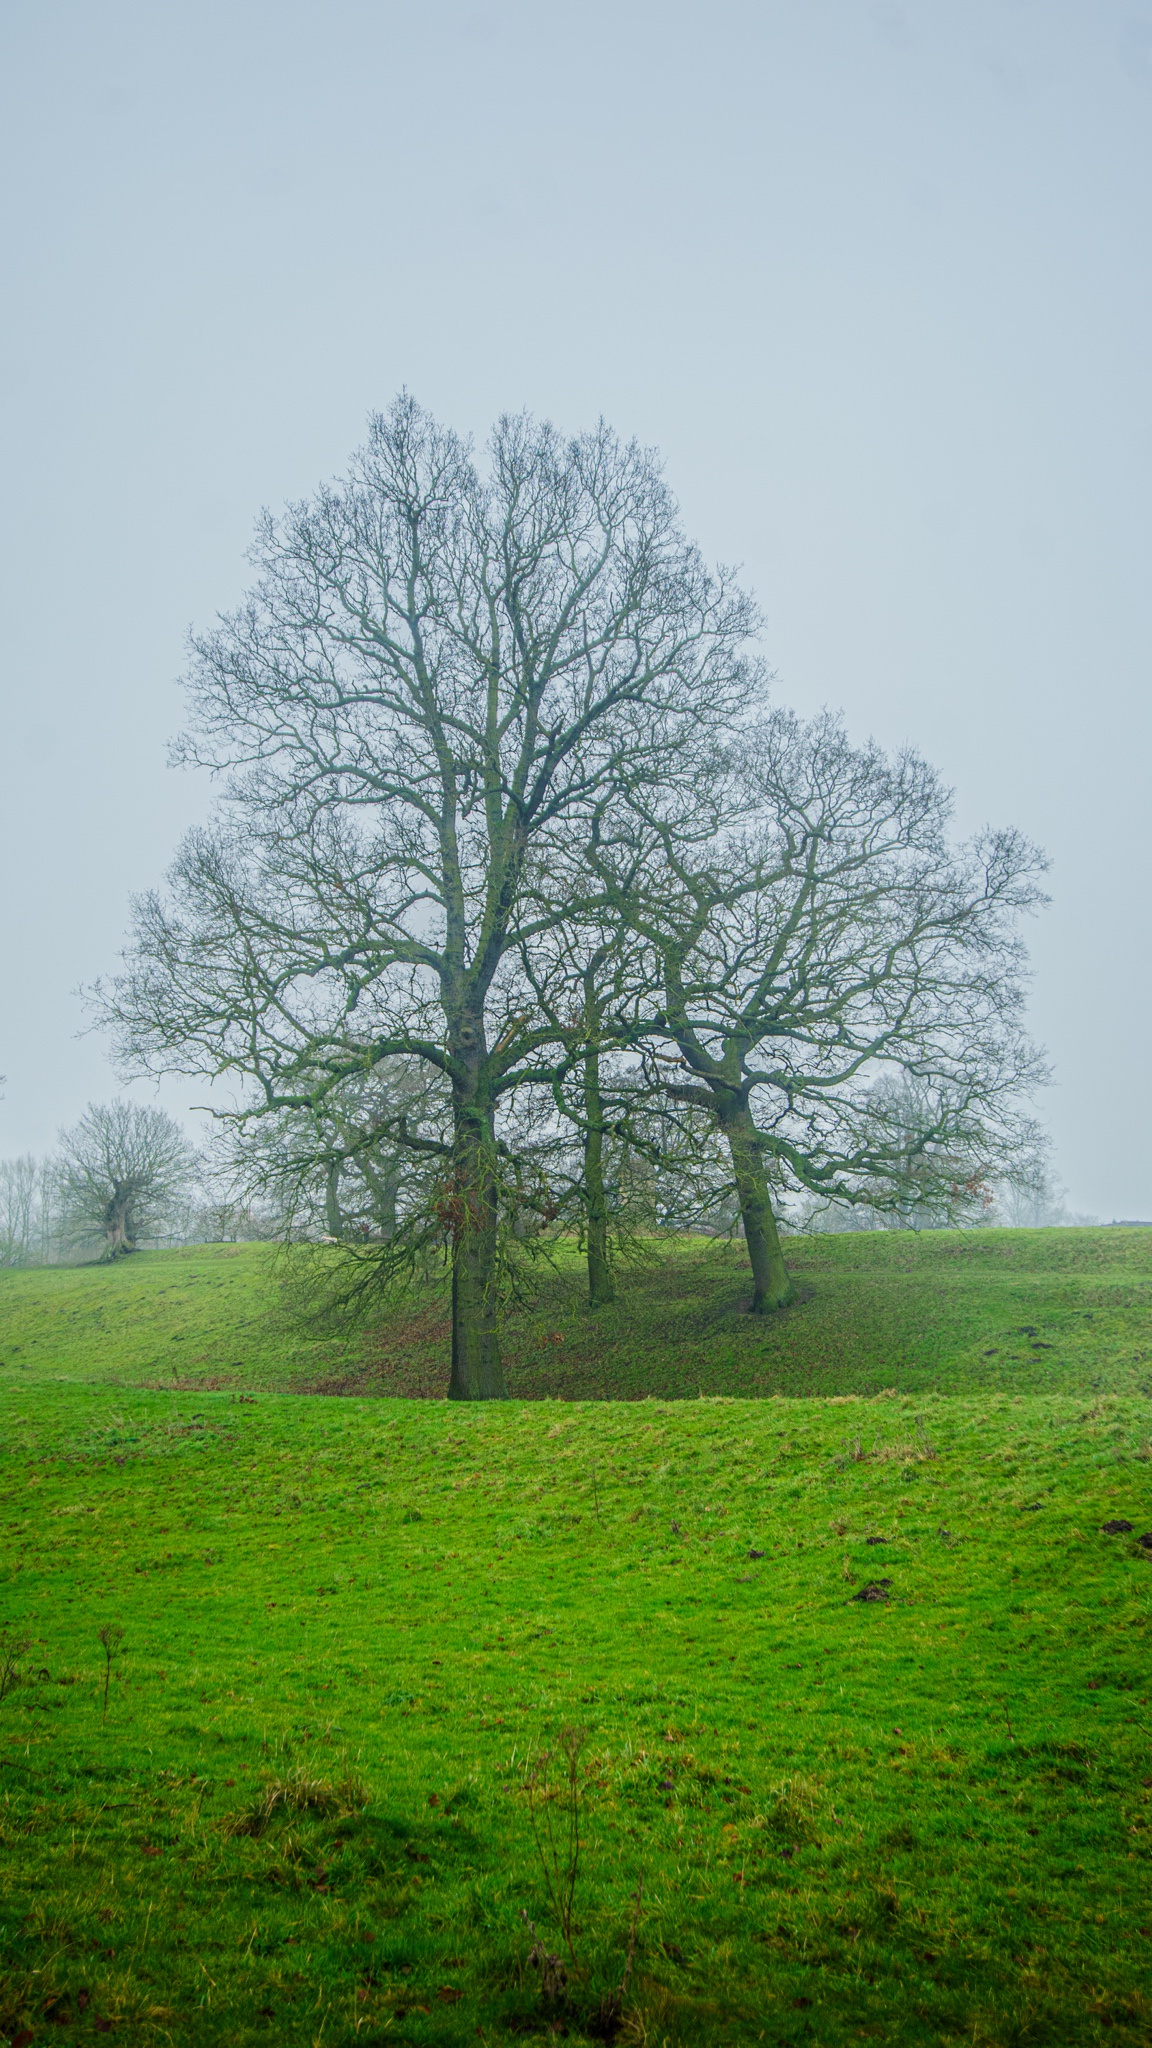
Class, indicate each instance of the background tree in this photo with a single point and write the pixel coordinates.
(621, 1157)
(345, 1169)
(22, 1193)
(573, 971)
(1029, 1196)
(436, 673)
(121, 1173)
(934, 1186)
(829, 942)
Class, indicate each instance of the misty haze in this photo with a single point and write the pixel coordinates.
(575, 1209)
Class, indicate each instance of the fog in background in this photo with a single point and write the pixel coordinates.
(874, 278)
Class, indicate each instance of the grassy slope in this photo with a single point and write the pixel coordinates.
(948, 1311)
(921, 1822)
(208, 1316)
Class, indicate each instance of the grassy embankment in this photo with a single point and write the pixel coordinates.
(955, 1312)
(921, 1820)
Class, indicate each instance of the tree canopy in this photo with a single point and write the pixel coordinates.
(840, 987)
(515, 873)
(120, 1172)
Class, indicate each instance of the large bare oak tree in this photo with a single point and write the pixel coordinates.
(440, 671)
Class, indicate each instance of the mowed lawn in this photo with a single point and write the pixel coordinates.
(350, 1626)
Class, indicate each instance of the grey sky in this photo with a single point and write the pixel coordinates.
(874, 277)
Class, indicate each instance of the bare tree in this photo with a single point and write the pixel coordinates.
(572, 971)
(21, 1201)
(1016, 1188)
(1029, 1196)
(829, 936)
(934, 1186)
(345, 1168)
(436, 674)
(621, 1155)
(122, 1171)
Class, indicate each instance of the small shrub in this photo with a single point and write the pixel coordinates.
(111, 1636)
(553, 1975)
(558, 1846)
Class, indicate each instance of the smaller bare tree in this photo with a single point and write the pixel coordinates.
(355, 1167)
(21, 1200)
(842, 985)
(122, 1172)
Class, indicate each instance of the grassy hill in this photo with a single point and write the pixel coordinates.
(305, 1801)
(944, 1311)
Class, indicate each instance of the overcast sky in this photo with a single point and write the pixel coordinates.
(873, 276)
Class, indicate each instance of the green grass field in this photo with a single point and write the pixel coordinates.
(353, 1626)
(953, 1312)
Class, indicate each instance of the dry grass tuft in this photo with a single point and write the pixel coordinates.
(299, 1792)
(906, 1451)
(794, 1809)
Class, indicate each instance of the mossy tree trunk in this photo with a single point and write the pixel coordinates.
(601, 1285)
(477, 1370)
(333, 1220)
(119, 1226)
(722, 1086)
(771, 1287)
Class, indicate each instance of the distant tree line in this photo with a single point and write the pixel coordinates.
(278, 1191)
(526, 912)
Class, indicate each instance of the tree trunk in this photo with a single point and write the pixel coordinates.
(119, 1236)
(386, 1201)
(601, 1286)
(477, 1371)
(333, 1220)
(771, 1287)
(385, 1191)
